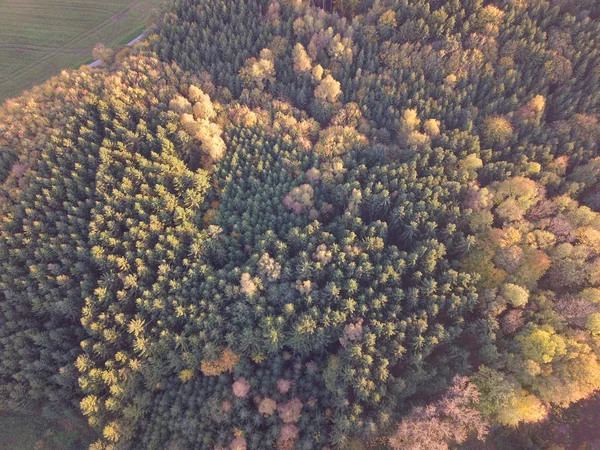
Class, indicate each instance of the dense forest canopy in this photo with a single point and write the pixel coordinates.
(276, 224)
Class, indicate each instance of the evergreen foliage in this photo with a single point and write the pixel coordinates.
(273, 225)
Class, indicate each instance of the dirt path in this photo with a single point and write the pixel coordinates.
(98, 62)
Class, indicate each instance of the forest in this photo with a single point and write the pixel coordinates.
(277, 224)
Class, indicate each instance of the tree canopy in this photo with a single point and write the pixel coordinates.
(275, 224)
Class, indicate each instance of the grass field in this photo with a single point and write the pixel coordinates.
(39, 38)
(20, 432)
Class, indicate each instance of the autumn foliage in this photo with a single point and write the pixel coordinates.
(288, 224)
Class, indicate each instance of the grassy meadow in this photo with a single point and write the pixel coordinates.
(39, 38)
(33, 432)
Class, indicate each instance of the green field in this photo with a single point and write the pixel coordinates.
(33, 432)
(39, 38)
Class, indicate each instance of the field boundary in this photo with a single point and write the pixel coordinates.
(98, 62)
(81, 36)
(39, 38)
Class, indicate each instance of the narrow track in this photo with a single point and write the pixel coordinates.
(98, 62)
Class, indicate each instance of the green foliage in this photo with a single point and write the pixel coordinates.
(542, 345)
(515, 295)
(593, 323)
(549, 246)
(497, 391)
(271, 226)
